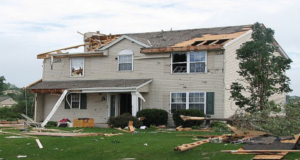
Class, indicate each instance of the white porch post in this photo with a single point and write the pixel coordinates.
(134, 103)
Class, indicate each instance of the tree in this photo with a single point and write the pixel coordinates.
(262, 73)
(2, 79)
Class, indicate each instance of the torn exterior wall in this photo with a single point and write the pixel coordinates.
(39, 107)
(96, 108)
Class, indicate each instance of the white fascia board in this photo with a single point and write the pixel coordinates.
(238, 38)
(121, 38)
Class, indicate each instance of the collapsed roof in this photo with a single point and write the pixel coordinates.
(163, 41)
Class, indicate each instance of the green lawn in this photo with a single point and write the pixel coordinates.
(160, 145)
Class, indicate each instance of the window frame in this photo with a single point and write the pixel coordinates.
(82, 69)
(187, 102)
(125, 52)
(188, 62)
(79, 101)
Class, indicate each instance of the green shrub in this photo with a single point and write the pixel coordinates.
(122, 121)
(191, 112)
(153, 116)
(51, 124)
(219, 126)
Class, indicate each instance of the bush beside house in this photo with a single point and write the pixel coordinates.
(153, 116)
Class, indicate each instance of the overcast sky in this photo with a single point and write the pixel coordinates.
(30, 27)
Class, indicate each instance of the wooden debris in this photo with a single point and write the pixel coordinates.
(110, 134)
(186, 118)
(130, 126)
(39, 143)
(76, 131)
(47, 130)
(187, 129)
(246, 131)
(63, 134)
(186, 147)
(123, 130)
(294, 141)
(258, 151)
(179, 128)
(277, 156)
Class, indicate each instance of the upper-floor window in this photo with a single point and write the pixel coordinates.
(125, 60)
(77, 67)
(189, 62)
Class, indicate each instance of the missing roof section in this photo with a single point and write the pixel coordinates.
(221, 41)
(208, 42)
(197, 43)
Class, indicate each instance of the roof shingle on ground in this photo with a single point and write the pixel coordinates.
(170, 38)
(89, 84)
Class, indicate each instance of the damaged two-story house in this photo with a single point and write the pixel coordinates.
(116, 74)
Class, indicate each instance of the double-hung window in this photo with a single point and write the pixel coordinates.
(188, 100)
(125, 60)
(189, 62)
(76, 101)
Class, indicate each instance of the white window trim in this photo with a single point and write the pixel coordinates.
(188, 63)
(125, 54)
(71, 107)
(82, 71)
(187, 103)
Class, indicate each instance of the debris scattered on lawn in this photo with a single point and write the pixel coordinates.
(79, 130)
(247, 132)
(115, 141)
(15, 137)
(63, 134)
(95, 140)
(145, 144)
(111, 134)
(120, 129)
(130, 126)
(128, 159)
(161, 126)
(21, 156)
(143, 127)
(39, 143)
(186, 147)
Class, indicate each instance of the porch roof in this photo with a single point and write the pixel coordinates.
(58, 86)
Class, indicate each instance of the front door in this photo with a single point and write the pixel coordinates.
(125, 103)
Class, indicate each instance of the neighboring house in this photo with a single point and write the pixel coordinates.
(170, 70)
(11, 91)
(6, 102)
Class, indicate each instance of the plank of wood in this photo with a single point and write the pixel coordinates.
(246, 131)
(63, 134)
(123, 130)
(39, 143)
(189, 146)
(110, 134)
(268, 157)
(130, 126)
(258, 151)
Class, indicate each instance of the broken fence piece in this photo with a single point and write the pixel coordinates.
(189, 146)
(39, 143)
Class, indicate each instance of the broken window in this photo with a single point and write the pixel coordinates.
(77, 67)
(189, 62)
(188, 100)
(125, 59)
(179, 63)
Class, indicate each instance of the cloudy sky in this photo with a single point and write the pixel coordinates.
(30, 27)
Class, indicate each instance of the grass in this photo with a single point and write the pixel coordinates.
(145, 144)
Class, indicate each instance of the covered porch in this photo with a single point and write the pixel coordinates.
(98, 99)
